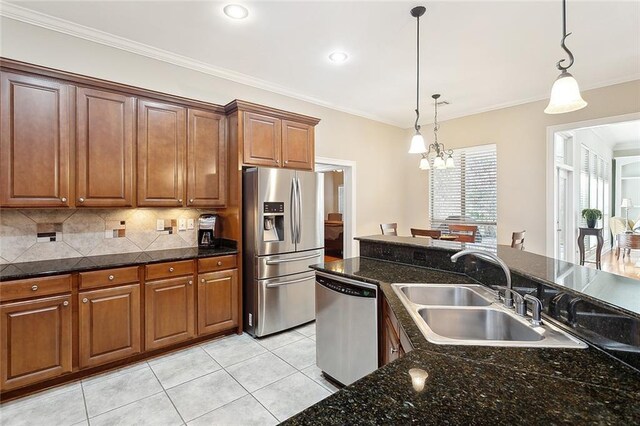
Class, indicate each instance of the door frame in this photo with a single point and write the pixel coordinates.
(550, 167)
(350, 246)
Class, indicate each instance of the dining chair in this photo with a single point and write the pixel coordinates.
(465, 233)
(389, 228)
(433, 233)
(517, 240)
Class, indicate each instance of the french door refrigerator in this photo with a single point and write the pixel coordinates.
(283, 235)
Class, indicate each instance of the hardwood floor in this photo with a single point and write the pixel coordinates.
(328, 258)
(629, 267)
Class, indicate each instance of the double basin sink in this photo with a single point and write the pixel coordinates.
(468, 314)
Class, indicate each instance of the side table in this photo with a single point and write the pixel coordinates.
(591, 231)
(626, 242)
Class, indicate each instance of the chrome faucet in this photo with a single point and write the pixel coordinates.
(490, 257)
(521, 304)
(536, 309)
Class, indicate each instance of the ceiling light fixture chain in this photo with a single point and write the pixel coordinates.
(564, 37)
(417, 13)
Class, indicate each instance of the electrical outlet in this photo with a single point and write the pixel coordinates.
(160, 225)
(182, 224)
(190, 224)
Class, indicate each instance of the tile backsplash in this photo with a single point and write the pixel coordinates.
(28, 235)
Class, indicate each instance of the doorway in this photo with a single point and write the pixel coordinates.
(340, 209)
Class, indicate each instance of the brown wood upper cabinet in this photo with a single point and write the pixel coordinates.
(297, 145)
(206, 159)
(161, 154)
(217, 301)
(262, 140)
(109, 324)
(36, 340)
(34, 141)
(105, 142)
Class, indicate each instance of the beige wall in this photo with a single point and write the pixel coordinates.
(339, 135)
(520, 134)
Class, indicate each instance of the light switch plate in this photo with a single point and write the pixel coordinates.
(160, 225)
(182, 224)
(190, 224)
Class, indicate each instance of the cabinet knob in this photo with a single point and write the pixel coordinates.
(286, 162)
(190, 200)
(111, 277)
(219, 263)
(63, 199)
(180, 200)
(171, 269)
(34, 287)
(85, 300)
(202, 280)
(81, 199)
(65, 303)
(190, 282)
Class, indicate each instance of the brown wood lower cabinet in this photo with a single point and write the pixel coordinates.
(36, 340)
(393, 340)
(109, 324)
(217, 301)
(169, 311)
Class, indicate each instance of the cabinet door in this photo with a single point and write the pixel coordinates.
(169, 311)
(262, 140)
(161, 149)
(390, 342)
(36, 340)
(109, 322)
(217, 301)
(105, 143)
(34, 142)
(206, 160)
(297, 145)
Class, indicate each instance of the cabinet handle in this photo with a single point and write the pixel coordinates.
(81, 199)
(111, 277)
(202, 280)
(171, 269)
(180, 200)
(190, 282)
(85, 300)
(63, 199)
(219, 262)
(191, 200)
(65, 303)
(34, 287)
(394, 350)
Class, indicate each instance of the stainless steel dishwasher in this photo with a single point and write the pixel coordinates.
(346, 327)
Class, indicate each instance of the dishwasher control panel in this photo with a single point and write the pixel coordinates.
(346, 288)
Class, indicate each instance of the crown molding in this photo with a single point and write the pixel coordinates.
(28, 16)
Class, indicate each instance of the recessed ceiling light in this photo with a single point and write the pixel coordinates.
(236, 11)
(338, 57)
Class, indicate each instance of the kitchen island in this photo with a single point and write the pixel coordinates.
(473, 384)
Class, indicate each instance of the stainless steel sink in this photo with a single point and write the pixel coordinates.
(467, 314)
(477, 324)
(439, 295)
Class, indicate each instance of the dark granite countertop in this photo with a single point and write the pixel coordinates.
(476, 384)
(14, 271)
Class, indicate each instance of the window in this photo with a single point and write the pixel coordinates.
(468, 193)
(594, 191)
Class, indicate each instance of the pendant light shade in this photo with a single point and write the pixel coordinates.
(424, 163)
(439, 163)
(565, 95)
(417, 144)
(450, 164)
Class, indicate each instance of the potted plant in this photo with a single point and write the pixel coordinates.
(591, 216)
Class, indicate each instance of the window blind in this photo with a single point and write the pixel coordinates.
(594, 192)
(468, 193)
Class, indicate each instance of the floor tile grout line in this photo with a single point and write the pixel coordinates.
(169, 397)
(121, 406)
(84, 400)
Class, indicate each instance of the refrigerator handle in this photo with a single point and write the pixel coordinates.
(299, 210)
(293, 199)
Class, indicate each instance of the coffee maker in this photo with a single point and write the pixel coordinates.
(209, 231)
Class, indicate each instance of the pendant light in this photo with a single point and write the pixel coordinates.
(417, 142)
(565, 93)
(443, 157)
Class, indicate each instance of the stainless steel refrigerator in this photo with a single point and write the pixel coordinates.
(283, 235)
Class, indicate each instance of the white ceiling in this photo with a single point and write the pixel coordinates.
(625, 135)
(480, 55)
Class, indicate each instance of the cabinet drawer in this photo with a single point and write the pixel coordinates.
(108, 277)
(22, 289)
(169, 269)
(217, 263)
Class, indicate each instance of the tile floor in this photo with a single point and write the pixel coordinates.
(236, 380)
